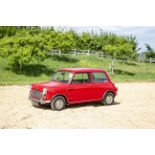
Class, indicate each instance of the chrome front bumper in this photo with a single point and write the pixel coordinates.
(36, 98)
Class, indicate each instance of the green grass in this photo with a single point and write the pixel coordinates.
(124, 72)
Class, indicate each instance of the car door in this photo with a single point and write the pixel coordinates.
(80, 88)
(100, 84)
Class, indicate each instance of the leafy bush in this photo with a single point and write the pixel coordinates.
(25, 45)
(23, 50)
(150, 53)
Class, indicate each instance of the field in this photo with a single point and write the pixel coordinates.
(134, 108)
(124, 72)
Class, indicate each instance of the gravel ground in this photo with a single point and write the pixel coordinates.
(134, 108)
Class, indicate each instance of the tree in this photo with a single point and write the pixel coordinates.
(23, 50)
(133, 41)
(120, 51)
(8, 31)
(23, 45)
(150, 53)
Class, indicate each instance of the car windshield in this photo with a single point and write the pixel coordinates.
(62, 76)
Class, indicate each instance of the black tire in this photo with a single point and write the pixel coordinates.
(58, 103)
(108, 99)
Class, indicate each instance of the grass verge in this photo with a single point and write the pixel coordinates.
(124, 72)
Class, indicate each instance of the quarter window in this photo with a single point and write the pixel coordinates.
(99, 77)
(81, 78)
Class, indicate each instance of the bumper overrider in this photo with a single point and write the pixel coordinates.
(37, 98)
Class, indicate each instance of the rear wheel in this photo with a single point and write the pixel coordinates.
(108, 99)
(58, 103)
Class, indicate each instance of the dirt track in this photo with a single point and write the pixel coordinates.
(134, 108)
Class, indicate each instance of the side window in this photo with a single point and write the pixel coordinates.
(81, 78)
(99, 77)
(86, 77)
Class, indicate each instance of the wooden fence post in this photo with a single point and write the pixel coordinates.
(51, 52)
(112, 66)
(75, 53)
(150, 60)
(59, 52)
(88, 52)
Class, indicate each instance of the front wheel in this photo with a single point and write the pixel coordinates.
(108, 99)
(58, 103)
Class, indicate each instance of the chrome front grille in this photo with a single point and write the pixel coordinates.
(36, 94)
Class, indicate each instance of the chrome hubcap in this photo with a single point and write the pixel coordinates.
(58, 104)
(109, 99)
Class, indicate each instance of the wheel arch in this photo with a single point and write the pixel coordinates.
(109, 91)
(60, 95)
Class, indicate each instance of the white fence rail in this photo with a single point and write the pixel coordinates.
(150, 60)
(98, 54)
(80, 52)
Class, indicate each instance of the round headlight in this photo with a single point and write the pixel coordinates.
(44, 90)
(30, 87)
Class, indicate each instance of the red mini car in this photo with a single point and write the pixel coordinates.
(74, 86)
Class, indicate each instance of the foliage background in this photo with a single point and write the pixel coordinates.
(24, 45)
(24, 54)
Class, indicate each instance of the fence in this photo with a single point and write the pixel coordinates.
(76, 52)
(150, 60)
(100, 55)
(97, 54)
